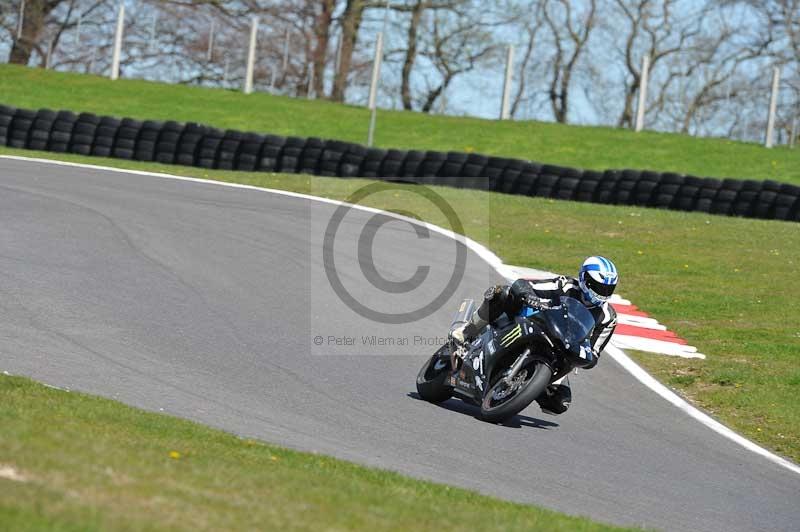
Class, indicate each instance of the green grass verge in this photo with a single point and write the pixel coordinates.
(85, 463)
(584, 147)
(724, 284)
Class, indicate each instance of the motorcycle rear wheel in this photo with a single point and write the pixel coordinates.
(431, 377)
(497, 407)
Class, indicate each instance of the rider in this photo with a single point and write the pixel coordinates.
(596, 281)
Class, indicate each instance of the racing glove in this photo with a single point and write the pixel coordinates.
(537, 302)
(588, 353)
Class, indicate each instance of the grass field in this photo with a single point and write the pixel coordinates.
(69, 461)
(584, 147)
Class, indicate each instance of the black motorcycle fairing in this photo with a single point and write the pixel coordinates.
(571, 324)
(505, 339)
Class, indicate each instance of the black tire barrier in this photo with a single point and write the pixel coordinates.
(6, 117)
(104, 136)
(207, 147)
(373, 158)
(61, 132)
(270, 153)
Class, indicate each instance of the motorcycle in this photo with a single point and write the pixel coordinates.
(512, 361)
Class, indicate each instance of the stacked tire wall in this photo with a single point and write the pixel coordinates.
(207, 147)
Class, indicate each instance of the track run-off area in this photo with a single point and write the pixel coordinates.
(214, 303)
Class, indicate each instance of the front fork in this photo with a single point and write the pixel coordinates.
(517, 365)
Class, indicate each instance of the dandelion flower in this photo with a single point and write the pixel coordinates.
(175, 455)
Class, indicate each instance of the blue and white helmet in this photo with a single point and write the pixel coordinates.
(598, 279)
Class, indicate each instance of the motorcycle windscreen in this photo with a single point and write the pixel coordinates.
(572, 323)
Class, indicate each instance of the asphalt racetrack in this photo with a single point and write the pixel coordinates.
(213, 303)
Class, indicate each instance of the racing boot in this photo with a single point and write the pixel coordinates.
(556, 398)
(492, 307)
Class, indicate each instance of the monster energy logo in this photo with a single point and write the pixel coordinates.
(513, 335)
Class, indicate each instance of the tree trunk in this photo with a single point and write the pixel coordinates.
(411, 54)
(322, 32)
(626, 118)
(351, 21)
(563, 95)
(522, 72)
(434, 94)
(32, 25)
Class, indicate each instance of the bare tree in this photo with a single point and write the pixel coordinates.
(323, 21)
(33, 24)
(782, 19)
(350, 23)
(456, 42)
(570, 33)
(531, 27)
(417, 10)
(659, 30)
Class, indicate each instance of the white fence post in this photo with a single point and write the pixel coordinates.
(773, 104)
(310, 81)
(210, 52)
(118, 42)
(20, 19)
(642, 94)
(373, 88)
(251, 57)
(151, 45)
(505, 106)
(338, 59)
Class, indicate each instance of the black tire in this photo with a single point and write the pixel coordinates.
(431, 377)
(530, 389)
(585, 191)
(81, 149)
(60, 136)
(432, 164)
(122, 153)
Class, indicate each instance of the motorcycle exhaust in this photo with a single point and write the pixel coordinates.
(463, 315)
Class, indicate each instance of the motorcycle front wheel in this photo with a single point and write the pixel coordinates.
(431, 378)
(504, 400)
